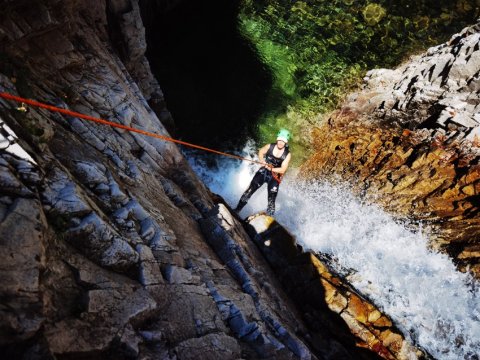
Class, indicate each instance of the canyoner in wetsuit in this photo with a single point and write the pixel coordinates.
(277, 157)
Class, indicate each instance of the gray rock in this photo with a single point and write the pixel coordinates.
(442, 75)
(224, 235)
(63, 195)
(151, 336)
(10, 184)
(178, 275)
(209, 347)
(149, 268)
(73, 336)
(122, 305)
(23, 256)
(129, 341)
(98, 241)
(91, 173)
(191, 312)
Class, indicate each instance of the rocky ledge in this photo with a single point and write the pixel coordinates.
(410, 140)
(330, 306)
(111, 246)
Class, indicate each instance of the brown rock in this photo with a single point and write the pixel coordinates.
(359, 308)
(414, 151)
(209, 347)
(336, 302)
(321, 288)
(22, 253)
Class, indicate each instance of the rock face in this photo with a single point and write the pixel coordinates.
(315, 288)
(410, 141)
(111, 247)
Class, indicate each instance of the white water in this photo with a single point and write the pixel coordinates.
(8, 143)
(431, 302)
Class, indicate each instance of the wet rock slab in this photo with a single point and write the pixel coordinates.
(332, 308)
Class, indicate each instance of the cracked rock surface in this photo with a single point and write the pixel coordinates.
(410, 140)
(315, 288)
(110, 245)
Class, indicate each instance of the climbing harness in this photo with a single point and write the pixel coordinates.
(276, 161)
(34, 103)
(277, 177)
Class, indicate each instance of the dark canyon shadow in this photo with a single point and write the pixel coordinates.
(214, 83)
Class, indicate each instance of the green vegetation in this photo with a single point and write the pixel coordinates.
(318, 50)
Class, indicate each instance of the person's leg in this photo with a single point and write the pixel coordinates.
(273, 186)
(256, 182)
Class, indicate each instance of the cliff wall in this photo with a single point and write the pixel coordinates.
(409, 140)
(110, 245)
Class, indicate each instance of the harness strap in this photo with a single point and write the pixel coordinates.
(278, 177)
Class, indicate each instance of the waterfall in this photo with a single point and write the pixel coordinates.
(433, 304)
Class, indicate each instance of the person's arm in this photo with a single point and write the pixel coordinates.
(283, 168)
(262, 152)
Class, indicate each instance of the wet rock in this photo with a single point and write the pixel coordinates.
(315, 288)
(97, 240)
(211, 347)
(410, 141)
(22, 249)
(149, 268)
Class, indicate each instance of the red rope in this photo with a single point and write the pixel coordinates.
(124, 127)
(277, 177)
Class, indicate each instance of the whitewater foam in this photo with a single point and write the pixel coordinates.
(431, 302)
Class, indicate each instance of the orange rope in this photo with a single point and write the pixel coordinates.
(128, 128)
(120, 126)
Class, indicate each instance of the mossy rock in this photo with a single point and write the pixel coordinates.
(373, 14)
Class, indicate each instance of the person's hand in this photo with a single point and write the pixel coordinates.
(268, 166)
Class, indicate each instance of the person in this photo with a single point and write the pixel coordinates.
(276, 157)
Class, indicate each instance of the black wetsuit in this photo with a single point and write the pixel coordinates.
(263, 175)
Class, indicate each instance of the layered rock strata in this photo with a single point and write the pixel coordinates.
(110, 245)
(409, 140)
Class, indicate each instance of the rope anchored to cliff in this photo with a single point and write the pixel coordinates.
(24, 101)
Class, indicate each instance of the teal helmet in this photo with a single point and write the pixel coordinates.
(284, 135)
